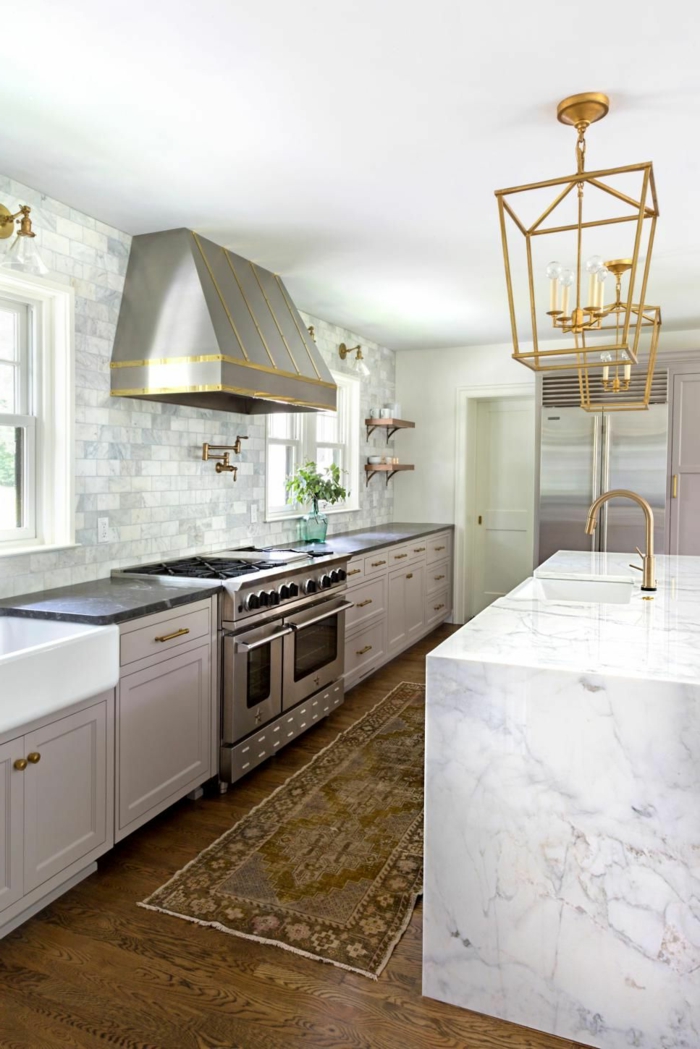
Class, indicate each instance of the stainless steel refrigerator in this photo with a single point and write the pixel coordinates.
(583, 455)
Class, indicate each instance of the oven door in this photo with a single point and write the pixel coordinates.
(252, 679)
(314, 651)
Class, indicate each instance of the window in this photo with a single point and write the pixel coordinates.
(36, 414)
(17, 423)
(325, 438)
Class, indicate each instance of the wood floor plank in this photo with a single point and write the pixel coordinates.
(94, 969)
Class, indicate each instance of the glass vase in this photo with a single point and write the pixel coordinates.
(313, 526)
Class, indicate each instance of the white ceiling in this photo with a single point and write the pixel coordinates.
(354, 145)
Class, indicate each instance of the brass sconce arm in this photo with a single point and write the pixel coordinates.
(7, 222)
(344, 350)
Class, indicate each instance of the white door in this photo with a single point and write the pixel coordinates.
(505, 489)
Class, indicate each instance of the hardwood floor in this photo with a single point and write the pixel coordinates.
(93, 969)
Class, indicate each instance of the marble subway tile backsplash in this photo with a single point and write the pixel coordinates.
(138, 463)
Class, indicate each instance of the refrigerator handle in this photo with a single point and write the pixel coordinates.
(595, 472)
(606, 424)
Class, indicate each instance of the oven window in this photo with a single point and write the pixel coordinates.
(315, 647)
(259, 675)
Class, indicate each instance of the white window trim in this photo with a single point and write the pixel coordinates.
(308, 451)
(53, 307)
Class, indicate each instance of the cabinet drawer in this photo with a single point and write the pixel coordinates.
(437, 607)
(376, 562)
(438, 577)
(157, 635)
(355, 571)
(369, 599)
(365, 650)
(406, 554)
(439, 547)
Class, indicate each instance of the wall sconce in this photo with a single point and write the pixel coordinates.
(23, 253)
(312, 332)
(223, 464)
(358, 361)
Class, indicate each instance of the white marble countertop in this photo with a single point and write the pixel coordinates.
(655, 639)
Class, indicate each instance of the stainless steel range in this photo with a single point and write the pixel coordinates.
(282, 621)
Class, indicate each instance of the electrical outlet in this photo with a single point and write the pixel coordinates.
(253, 513)
(102, 529)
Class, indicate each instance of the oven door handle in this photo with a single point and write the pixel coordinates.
(245, 646)
(326, 615)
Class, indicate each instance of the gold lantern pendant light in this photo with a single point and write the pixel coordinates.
(579, 330)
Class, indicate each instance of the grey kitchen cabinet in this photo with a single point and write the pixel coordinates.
(400, 593)
(55, 807)
(11, 824)
(685, 465)
(165, 716)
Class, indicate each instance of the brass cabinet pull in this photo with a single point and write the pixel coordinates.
(409, 575)
(418, 549)
(176, 633)
(439, 577)
(34, 757)
(439, 547)
(361, 651)
(20, 764)
(376, 564)
(354, 571)
(397, 557)
(361, 604)
(674, 493)
(436, 608)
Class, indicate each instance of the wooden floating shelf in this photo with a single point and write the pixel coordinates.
(390, 425)
(387, 468)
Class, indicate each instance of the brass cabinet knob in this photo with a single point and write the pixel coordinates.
(21, 764)
(34, 757)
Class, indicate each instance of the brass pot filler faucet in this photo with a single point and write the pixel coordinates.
(223, 465)
(647, 566)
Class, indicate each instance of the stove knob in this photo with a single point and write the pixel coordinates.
(293, 590)
(326, 581)
(310, 586)
(252, 602)
(264, 599)
(335, 577)
(273, 597)
(284, 592)
(342, 575)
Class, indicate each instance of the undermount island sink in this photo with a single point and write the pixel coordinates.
(46, 665)
(593, 591)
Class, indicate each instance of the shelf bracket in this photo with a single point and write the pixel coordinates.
(390, 431)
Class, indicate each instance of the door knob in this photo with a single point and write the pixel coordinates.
(34, 757)
(21, 764)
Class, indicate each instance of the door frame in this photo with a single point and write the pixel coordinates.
(465, 482)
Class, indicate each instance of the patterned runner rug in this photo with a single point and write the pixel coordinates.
(330, 865)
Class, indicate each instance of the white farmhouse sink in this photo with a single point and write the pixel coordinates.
(592, 591)
(46, 665)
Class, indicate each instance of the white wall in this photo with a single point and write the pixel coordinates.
(427, 382)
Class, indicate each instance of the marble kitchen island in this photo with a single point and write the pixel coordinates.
(562, 881)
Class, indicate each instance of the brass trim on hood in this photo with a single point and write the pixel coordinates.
(208, 357)
(205, 260)
(302, 335)
(274, 317)
(151, 391)
(248, 307)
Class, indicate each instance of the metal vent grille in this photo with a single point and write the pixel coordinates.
(562, 391)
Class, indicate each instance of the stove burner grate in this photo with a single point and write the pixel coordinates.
(203, 568)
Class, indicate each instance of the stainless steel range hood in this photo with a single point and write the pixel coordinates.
(203, 327)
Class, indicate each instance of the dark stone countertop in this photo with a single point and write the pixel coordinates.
(364, 540)
(119, 598)
(104, 601)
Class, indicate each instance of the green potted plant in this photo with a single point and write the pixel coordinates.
(308, 485)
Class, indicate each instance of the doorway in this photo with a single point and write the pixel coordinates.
(503, 491)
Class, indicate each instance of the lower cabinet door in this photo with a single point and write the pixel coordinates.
(65, 793)
(415, 602)
(11, 819)
(396, 611)
(164, 741)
